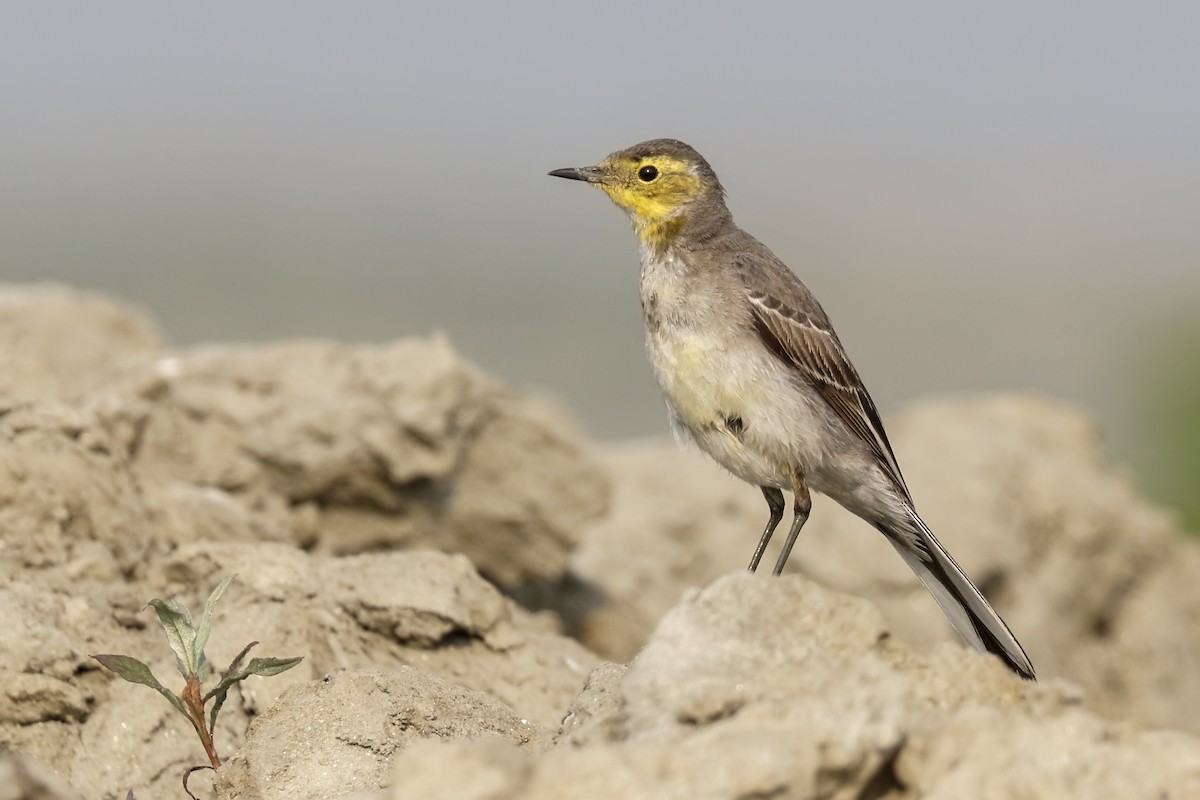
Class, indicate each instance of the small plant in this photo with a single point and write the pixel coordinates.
(188, 643)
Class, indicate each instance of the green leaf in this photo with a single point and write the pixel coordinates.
(135, 671)
(177, 623)
(206, 619)
(228, 678)
(237, 660)
(271, 666)
(128, 668)
(257, 666)
(216, 708)
(221, 688)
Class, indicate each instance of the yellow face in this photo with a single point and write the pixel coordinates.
(651, 188)
(655, 186)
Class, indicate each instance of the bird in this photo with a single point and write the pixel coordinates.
(754, 374)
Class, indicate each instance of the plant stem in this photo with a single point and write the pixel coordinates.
(193, 700)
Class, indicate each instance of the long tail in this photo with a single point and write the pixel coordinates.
(969, 612)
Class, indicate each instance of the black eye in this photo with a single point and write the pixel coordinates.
(648, 173)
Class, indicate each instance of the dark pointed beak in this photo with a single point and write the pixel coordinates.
(588, 174)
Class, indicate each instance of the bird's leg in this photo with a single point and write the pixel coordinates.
(800, 508)
(775, 501)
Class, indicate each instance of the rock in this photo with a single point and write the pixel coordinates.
(330, 738)
(343, 448)
(677, 521)
(29, 698)
(391, 613)
(136, 741)
(142, 474)
(21, 779)
(590, 718)
(992, 756)
(74, 512)
(422, 609)
(755, 687)
(34, 639)
(496, 770)
(70, 510)
(1085, 571)
(370, 447)
(58, 343)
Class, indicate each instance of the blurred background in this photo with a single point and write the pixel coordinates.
(984, 197)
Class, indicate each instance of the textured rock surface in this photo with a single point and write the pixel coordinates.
(363, 494)
(127, 473)
(359, 448)
(22, 779)
(58, 343)
(759, 688)
(339, 735)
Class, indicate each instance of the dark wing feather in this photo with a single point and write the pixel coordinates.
(807, 343)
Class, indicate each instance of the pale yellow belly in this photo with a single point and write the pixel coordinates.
(694, 373)
(707, 382)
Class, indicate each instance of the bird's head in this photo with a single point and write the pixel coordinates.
(659, 183)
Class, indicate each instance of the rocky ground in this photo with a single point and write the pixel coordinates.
(491, 606)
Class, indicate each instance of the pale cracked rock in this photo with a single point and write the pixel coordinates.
(59, 343)
(330, 738)
(403, 445)
(22, 779)
(71, 510)
(387, 612)
(424, 609)
(755, 687)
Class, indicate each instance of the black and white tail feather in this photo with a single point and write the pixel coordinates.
(968, 611)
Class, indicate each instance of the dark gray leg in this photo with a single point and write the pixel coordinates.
(775, 501)
(800, 507)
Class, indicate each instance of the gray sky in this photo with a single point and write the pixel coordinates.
(982, 196)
